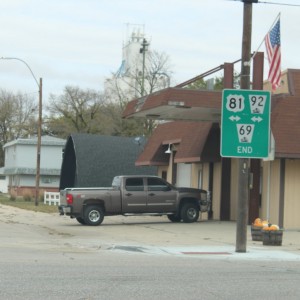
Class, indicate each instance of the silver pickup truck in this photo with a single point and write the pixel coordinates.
(132, 195)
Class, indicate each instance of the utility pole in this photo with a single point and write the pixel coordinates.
(39, 131)
(143, 51)
(39, 142)
(243, 165)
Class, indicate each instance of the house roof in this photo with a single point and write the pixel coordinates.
(45, 140)
(93, 160)
(189, 141)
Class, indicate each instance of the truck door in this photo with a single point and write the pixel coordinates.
(134, 196)
(161, 197)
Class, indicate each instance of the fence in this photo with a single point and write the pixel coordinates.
(51, 198)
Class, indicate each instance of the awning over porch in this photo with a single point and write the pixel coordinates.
(189, 142)
(177, 104)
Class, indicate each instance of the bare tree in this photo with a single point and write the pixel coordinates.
(17, 118)
(76, 110)
(157, 74)
(119, 90)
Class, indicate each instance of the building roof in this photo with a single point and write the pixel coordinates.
(285, 121)
(93, 160)
(177, 104)
(190, 141)
(285, 125)
(45, 140)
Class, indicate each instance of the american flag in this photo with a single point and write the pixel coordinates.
(273, 48)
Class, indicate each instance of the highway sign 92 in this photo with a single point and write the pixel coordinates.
(245, 124)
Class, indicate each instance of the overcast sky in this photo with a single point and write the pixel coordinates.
(79, 42)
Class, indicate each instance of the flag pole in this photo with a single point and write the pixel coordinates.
(278, 16)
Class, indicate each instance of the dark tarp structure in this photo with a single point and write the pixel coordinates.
(93, 160)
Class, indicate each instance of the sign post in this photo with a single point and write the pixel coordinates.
(245, 125)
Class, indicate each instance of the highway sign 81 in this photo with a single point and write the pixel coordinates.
(245, 124)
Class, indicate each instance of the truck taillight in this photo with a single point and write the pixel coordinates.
(69, 198)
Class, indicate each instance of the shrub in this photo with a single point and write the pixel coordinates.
(41, 197)
(27, 198)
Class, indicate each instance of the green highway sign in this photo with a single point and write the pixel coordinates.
(245, 125)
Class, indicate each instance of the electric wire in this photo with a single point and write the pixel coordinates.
(273, 3)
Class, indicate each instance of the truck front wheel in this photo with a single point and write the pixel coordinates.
(81, 221)
(174, 218)
(93, 215)
(189, 213)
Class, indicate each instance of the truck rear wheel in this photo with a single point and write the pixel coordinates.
(174, 218)
(93, 215)
(189, 213)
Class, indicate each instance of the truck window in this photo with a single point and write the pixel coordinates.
(116, 182)
(134, 184)
(156, 184)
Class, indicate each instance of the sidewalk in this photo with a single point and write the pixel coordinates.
(209, 239)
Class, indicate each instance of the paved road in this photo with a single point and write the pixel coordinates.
(52, 257)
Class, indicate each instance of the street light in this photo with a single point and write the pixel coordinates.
(163, 74)
(39, 135)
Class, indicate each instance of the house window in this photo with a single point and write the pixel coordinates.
(47, 179)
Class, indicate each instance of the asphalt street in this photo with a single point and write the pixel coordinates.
(47, 256)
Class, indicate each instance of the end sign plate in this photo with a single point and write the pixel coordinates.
(245, 125)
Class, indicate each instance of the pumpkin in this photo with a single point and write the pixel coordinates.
(257, 222)
(271, 227)
(274, 227)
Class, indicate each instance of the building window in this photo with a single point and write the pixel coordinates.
(47, 179)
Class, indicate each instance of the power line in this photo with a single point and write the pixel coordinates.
(273, 3)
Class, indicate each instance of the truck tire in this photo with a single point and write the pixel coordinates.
(93, 215)
(81, 221)
(174, 218)
(189, 213)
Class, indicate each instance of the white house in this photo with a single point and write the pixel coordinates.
(21, 160)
